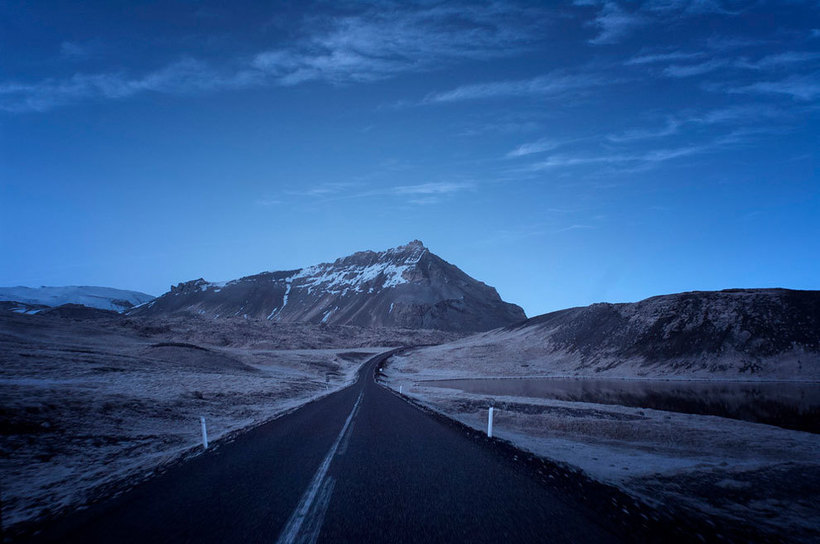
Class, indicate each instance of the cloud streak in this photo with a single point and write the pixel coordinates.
(553, 85)
(436, 188)
(774, 62)
(737, 115)
(374, 45)
(799, 87)
(614, 23)
(575, 227)
(187, 76)
(656, 58)
(689, 70)
(646, 158)
(420, 193)
(530, 148)
(616, 20)
(641, 160)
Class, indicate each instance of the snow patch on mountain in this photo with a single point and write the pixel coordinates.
(103, 298)
(351, 278)
(349, 274)
(289, 284)
(21, 308)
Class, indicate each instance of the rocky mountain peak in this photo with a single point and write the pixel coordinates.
(407, 255)
(405, 286)
(188, 287)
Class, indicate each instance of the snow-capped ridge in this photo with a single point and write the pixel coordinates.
(363, 271)
(103, 298)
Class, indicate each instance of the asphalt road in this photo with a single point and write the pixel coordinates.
(361, 465)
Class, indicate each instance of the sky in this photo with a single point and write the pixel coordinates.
(563, 152)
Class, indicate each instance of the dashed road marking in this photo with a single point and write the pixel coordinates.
(305, 523)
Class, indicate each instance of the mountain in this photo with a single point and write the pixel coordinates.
(103, 298)
(78, 311)
(735, 334)
(407, 286)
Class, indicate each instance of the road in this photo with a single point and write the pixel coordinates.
(361, 465)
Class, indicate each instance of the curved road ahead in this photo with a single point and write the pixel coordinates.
(361, 465)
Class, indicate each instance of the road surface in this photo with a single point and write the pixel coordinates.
(361, 465)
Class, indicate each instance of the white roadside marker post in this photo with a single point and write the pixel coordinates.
(490, 423)
(400, 389)
(204, 433)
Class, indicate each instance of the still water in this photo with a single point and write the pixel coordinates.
(785, 404)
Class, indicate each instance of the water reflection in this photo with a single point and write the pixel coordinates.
(789, 405)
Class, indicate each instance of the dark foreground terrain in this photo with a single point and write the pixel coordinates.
(364, 465)
(90, 399)
(361, 465)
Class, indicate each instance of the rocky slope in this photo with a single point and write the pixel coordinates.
(732, 334)
(407, 286)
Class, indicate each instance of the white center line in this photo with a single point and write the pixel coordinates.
(308, 508)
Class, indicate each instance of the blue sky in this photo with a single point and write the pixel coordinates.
(563, 152)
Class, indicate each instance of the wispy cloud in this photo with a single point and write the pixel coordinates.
(383, 43)
(639, 159)
(689, 70)
(798, 87)
(655, 58)
(421, 193)
(513, 234)
(613, 22)
(74, 51)
(183, 77)
(329, 189)
(616, 19)
(739, 113)
(436, 188)
(745, 114)
(267, 202)
(648, 157)
(535, 230)
(728, 43)
(500, 127)
(388, 43)
(553, 85)
(539, 146)
(672, 126)
(576, 227)
(717, 48)
(784, 60)
(695, 7)
(424, 194)
(376, 44)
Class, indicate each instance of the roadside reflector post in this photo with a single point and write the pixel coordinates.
(204, 433)
(490, 423)
(400, 389)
